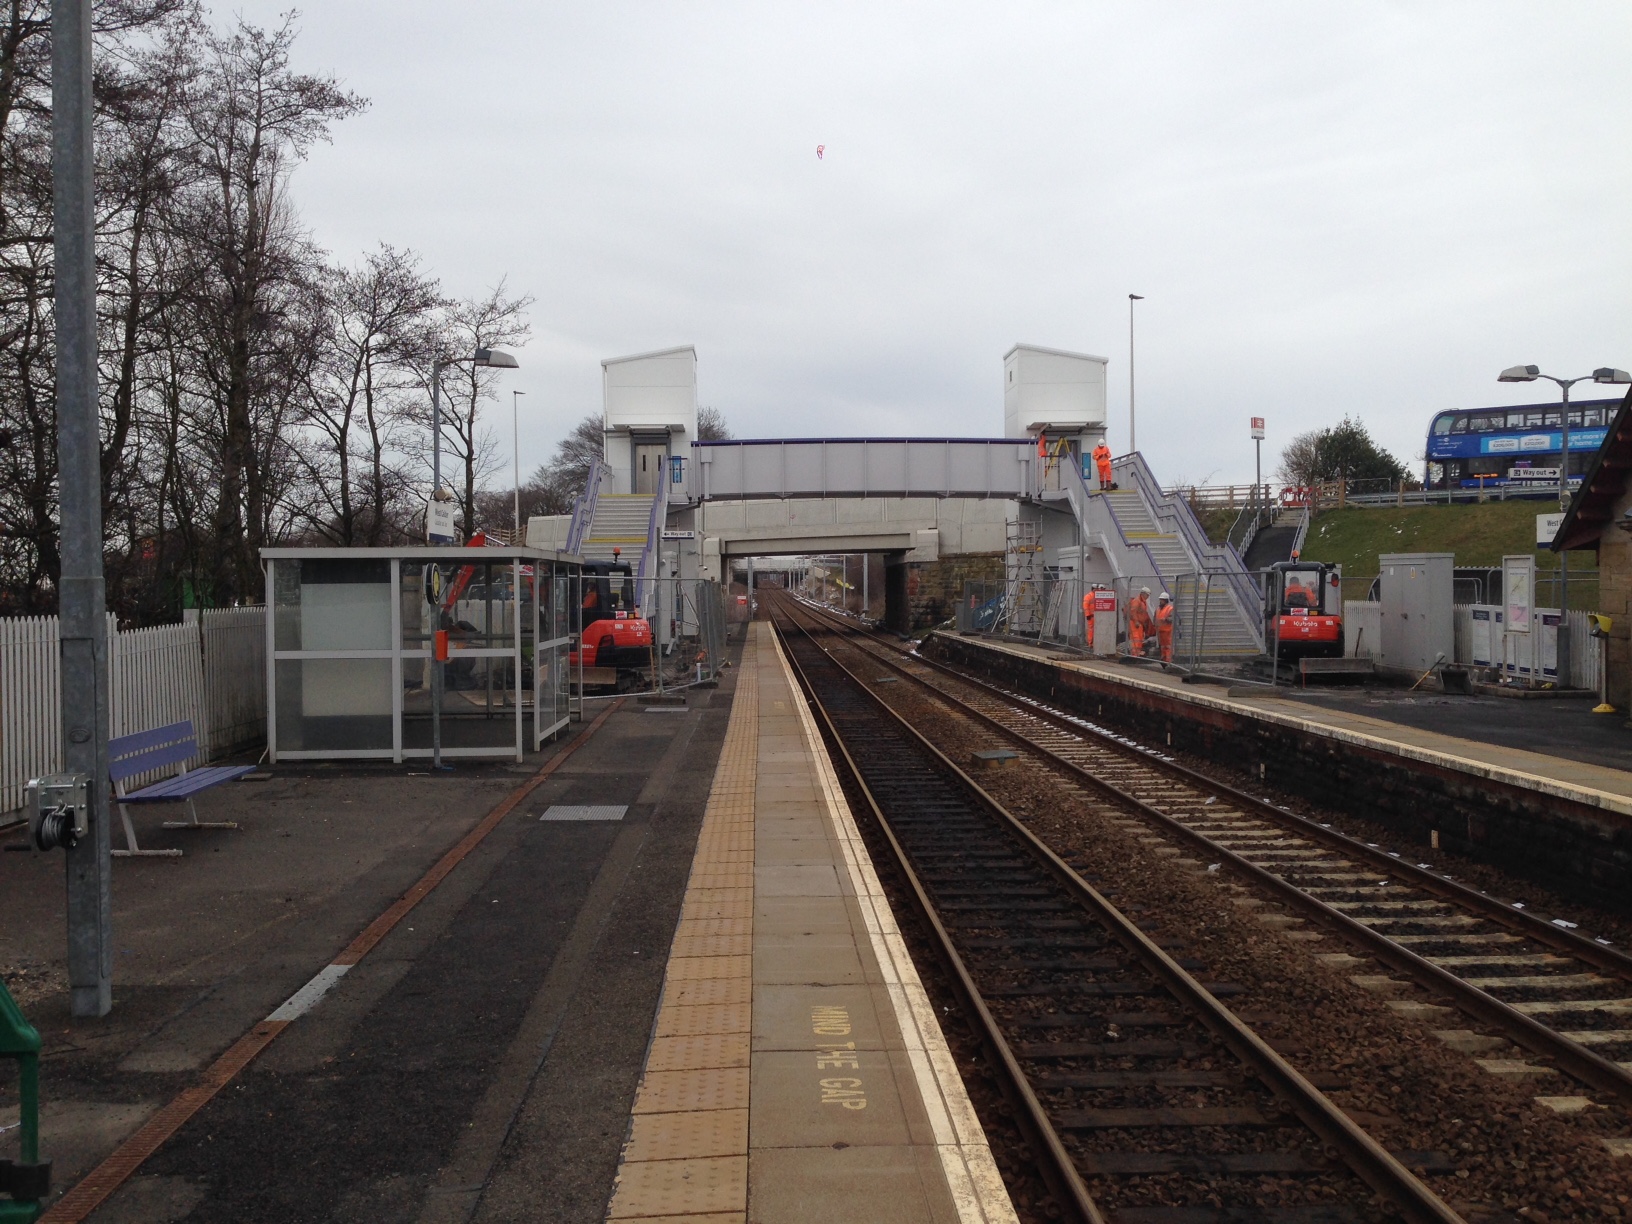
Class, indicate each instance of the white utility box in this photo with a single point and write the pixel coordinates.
(1049, 388)
(1418, 624)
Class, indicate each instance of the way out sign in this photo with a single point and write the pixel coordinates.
(439, 522)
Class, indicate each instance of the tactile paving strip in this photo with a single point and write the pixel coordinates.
(686, 1160)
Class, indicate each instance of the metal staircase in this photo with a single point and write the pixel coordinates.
(621, 521)
(1154, 539)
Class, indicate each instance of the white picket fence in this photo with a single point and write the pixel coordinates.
(210, 669)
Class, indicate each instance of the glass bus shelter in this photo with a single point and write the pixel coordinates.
(350, 650)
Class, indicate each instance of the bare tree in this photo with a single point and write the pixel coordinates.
(252, 120)
(1300, 460)
(711, 426)
(495, 320)
(377, 328)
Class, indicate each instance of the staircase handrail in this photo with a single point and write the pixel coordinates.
(1079, 490)
(583, 506)
(1305, 517)
(646, 582)
(1248, 523)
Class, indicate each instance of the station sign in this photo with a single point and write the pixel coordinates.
(1547, 526)
(439, 522)
(1258, 429)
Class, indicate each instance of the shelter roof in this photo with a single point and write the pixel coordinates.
(1593, 506)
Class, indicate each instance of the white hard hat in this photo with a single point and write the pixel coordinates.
(1144, 590)
(1164, 597)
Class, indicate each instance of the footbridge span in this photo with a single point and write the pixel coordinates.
(677, 506)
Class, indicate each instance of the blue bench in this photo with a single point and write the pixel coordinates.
(131, 755)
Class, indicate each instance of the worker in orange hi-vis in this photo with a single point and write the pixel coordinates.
(1164, 625)
(1088, 615)
(1102, 461)
(1139, 623)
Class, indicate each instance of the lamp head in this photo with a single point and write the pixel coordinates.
(1609, 375)
(496, 358)
(1524, 373)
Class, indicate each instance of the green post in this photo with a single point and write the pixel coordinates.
(25, 1182)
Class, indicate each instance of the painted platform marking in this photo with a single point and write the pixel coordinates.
(585, 811)
(306, 998)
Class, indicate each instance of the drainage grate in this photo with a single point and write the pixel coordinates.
(581, 811)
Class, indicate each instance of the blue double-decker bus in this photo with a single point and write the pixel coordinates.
(1516, 447)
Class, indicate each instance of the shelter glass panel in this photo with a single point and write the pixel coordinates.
(333, 705)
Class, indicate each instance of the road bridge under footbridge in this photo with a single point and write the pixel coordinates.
(920, 500)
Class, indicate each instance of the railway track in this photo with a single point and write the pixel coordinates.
(1144, 1098)
(1565, 998)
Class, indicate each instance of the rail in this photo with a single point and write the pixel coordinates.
(1366, 1158)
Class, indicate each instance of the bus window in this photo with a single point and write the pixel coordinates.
(1550, 420)
(1575, 418)
(1442, 424)
(1460, 425)
(1515, 420)
(1532, 420)
(1593, 418)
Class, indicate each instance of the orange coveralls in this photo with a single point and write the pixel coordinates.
(1102, 460)
(1164, 630)
(1138, 624)
(1088, 617)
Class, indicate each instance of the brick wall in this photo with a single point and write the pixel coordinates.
(934, 587)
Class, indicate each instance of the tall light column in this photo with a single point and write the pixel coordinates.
(82, 597)
(515, 446)
(1133, 443)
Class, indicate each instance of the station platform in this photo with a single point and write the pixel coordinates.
(797, 1071)
(1465, 733)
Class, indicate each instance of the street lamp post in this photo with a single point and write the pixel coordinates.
(1529, 373)
(515, 447)
(1133, 444)
(498, 360)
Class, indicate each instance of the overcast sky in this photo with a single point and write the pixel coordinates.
(1361, 208)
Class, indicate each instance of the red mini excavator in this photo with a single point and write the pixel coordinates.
(1304, 610)
(612, 632)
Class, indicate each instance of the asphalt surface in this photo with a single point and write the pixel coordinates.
(479, 1064)
(1558, 726)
